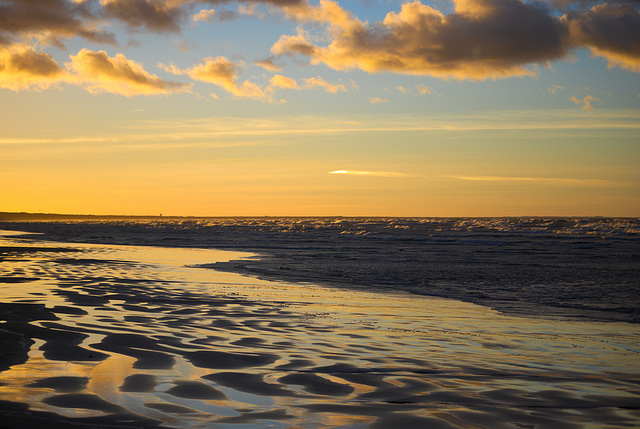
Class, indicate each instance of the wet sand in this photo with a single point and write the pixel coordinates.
(104, 336)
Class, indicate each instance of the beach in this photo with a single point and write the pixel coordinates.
(104, 335)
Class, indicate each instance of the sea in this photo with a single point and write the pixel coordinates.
(585, 268)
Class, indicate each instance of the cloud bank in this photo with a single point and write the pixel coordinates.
(480, 39)
(463, 40)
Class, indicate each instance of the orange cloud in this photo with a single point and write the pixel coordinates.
(318, 82)
(21, 67)
(224, 73)
(377, 100)
(279, 81)
(585, 102)
(99, 72)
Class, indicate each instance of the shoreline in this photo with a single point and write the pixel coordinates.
(285, 256)
(115, 334)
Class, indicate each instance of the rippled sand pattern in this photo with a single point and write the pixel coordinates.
(132, 337)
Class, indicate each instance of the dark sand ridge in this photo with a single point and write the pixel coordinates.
(108, 335)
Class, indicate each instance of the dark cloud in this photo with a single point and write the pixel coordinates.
(154, 15)
(50, 20)
(574, 5)
(481, 39)
(611, 31)
(170, 15)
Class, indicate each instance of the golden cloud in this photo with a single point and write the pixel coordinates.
(224, 73)
(279, 81)
(21, 67)
(585, 102)
(99, 72)
(318, 82)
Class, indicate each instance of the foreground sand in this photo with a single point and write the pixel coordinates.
(100, 336)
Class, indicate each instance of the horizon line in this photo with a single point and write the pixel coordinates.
(5, 216)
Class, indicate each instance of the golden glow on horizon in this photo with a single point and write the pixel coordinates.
(320, 108)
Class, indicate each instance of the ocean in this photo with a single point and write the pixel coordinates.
(319, 323)
(578, 268)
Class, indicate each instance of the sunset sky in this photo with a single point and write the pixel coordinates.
(300, 107)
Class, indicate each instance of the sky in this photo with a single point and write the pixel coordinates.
(320, 108)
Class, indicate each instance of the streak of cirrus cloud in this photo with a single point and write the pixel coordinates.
(481, 39)
(369, 173)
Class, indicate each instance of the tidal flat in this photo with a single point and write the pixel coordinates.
(99, 335)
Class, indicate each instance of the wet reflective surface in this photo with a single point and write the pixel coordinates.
(104, 335)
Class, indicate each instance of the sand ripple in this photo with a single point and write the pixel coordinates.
(109, 335)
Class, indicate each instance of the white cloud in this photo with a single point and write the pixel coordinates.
(206, 15)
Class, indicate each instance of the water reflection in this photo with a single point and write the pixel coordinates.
(140, 334)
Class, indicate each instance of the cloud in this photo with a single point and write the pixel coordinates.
(369, 173)
(21, 67)
(206, 15)
(170, 15)
(279, 81)
(481, 39)
(268, 64)
(318, 82)
(222, 72)
(154, 15)
(49, 21)
(611, 31)
(376, 100)
(99, 72)
(585, 102)
(423, 89)
(555, 88)
(553, 181)
(420, 89)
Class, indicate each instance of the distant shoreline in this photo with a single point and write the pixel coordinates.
(28, 216)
